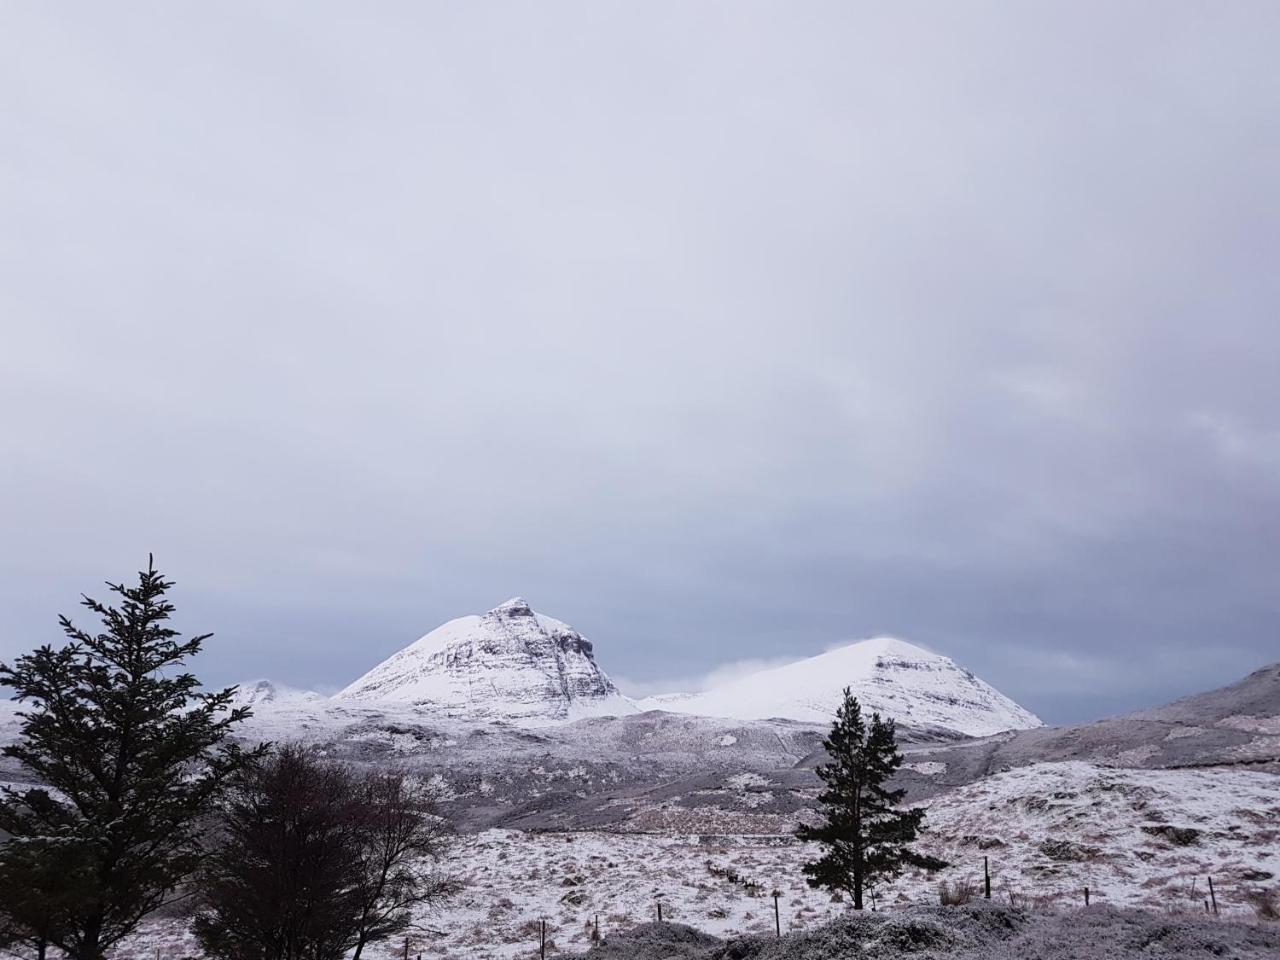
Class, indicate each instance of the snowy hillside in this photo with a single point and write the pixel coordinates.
(898, 679)
(1135, 837)
(510, 664)
(1235, 725)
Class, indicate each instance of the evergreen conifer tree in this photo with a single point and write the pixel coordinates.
(867, 839)
(131, 754)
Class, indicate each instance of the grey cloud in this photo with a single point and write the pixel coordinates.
(722, 332)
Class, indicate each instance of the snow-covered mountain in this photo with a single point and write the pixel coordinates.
(258, 695)
(510, 664)
(896, 678)
(514, 665)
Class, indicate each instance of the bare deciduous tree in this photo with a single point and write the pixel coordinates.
(403, 840)
(313, 861)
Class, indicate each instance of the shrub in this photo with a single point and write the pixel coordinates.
(1265, 903)
(956, 894)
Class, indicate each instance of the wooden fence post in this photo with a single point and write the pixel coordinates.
(986, 878)
(777, 918)
(1213, 896)
(659, 911)
(1086, 896)
(542, 940)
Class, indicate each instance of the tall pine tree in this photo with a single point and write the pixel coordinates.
(866, 836)
(130, 754)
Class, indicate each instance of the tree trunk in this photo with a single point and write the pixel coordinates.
(857, 848)
(89, 949)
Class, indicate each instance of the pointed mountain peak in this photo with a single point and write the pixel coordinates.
(515, 607)
(509, 664)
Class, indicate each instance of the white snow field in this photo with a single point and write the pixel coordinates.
(896, 678)
(1146, 838)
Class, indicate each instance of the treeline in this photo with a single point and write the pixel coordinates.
(144, 801)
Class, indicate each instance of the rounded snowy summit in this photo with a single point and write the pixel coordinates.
(892, 677)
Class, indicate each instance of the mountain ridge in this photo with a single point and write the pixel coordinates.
(514, 664)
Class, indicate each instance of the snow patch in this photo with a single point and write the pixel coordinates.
(929, 768)
(1249, 724)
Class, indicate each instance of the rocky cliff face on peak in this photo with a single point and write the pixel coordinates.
(511, 664)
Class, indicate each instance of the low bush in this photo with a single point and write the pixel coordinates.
(1265, 903)
(956, 894)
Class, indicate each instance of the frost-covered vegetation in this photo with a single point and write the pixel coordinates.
(976, 932)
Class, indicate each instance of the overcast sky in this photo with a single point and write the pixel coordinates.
(722, 331)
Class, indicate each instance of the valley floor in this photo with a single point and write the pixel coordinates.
(1139, 838)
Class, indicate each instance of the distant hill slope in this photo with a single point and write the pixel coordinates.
(1238, 724)
(1257, 695)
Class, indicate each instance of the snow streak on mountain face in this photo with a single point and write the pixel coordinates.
(895, 678)
(510, 664)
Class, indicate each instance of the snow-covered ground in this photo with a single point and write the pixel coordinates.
(1134, 837)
